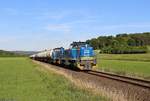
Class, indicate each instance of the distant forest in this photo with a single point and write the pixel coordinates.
(9, 54)
(122, 43)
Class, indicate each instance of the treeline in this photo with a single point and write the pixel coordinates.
(122, 43)
(9, 54)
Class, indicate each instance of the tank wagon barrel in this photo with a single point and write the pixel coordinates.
(43, 56)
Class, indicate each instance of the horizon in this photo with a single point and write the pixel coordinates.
(71, 42)
(33, 25)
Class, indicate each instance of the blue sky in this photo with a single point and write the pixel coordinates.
(42, 24)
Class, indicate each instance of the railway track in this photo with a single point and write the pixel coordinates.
(125, 79)
(129, 80)
(118, 87)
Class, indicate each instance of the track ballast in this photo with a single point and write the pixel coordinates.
(129, 80)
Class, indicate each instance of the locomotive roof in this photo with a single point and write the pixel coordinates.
(58, 48)
(78, 44)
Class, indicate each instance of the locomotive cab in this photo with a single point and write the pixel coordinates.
(85, 55)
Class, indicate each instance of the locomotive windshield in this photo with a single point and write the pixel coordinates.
(79, 44)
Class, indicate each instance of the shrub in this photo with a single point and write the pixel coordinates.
(125, 50)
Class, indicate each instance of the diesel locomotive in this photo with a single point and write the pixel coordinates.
(80, 55)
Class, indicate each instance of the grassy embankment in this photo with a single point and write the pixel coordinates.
(21, 80)
(126, 64)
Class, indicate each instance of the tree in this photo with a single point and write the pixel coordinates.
(121, 43)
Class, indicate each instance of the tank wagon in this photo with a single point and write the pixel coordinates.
(44, 56)
(80, 55)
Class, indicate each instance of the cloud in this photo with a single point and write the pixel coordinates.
(50, 15)
(7, 39)
(10, 11)
(65, 14)
(126, 26)
(59, 27)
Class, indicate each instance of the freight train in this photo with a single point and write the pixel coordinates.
(80, 55)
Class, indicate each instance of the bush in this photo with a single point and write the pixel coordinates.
(125, 50)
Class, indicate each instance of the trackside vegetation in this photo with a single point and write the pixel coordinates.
(122, 43)
(21, 80)
(125, 64)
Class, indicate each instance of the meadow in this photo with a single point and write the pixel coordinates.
(21, 80)
(125, 64)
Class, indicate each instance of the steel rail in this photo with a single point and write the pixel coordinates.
(129, 80)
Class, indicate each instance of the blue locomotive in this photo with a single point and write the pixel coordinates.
(79, 55)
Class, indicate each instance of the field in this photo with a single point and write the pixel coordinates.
(126, 64)
(21, 80)
(148, 48)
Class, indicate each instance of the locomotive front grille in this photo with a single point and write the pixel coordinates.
(87, 65)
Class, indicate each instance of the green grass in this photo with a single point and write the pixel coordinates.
(148, 48)
(21, 80)
(128, 57)
(130, 64)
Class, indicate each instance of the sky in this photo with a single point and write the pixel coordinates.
(32, 25)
